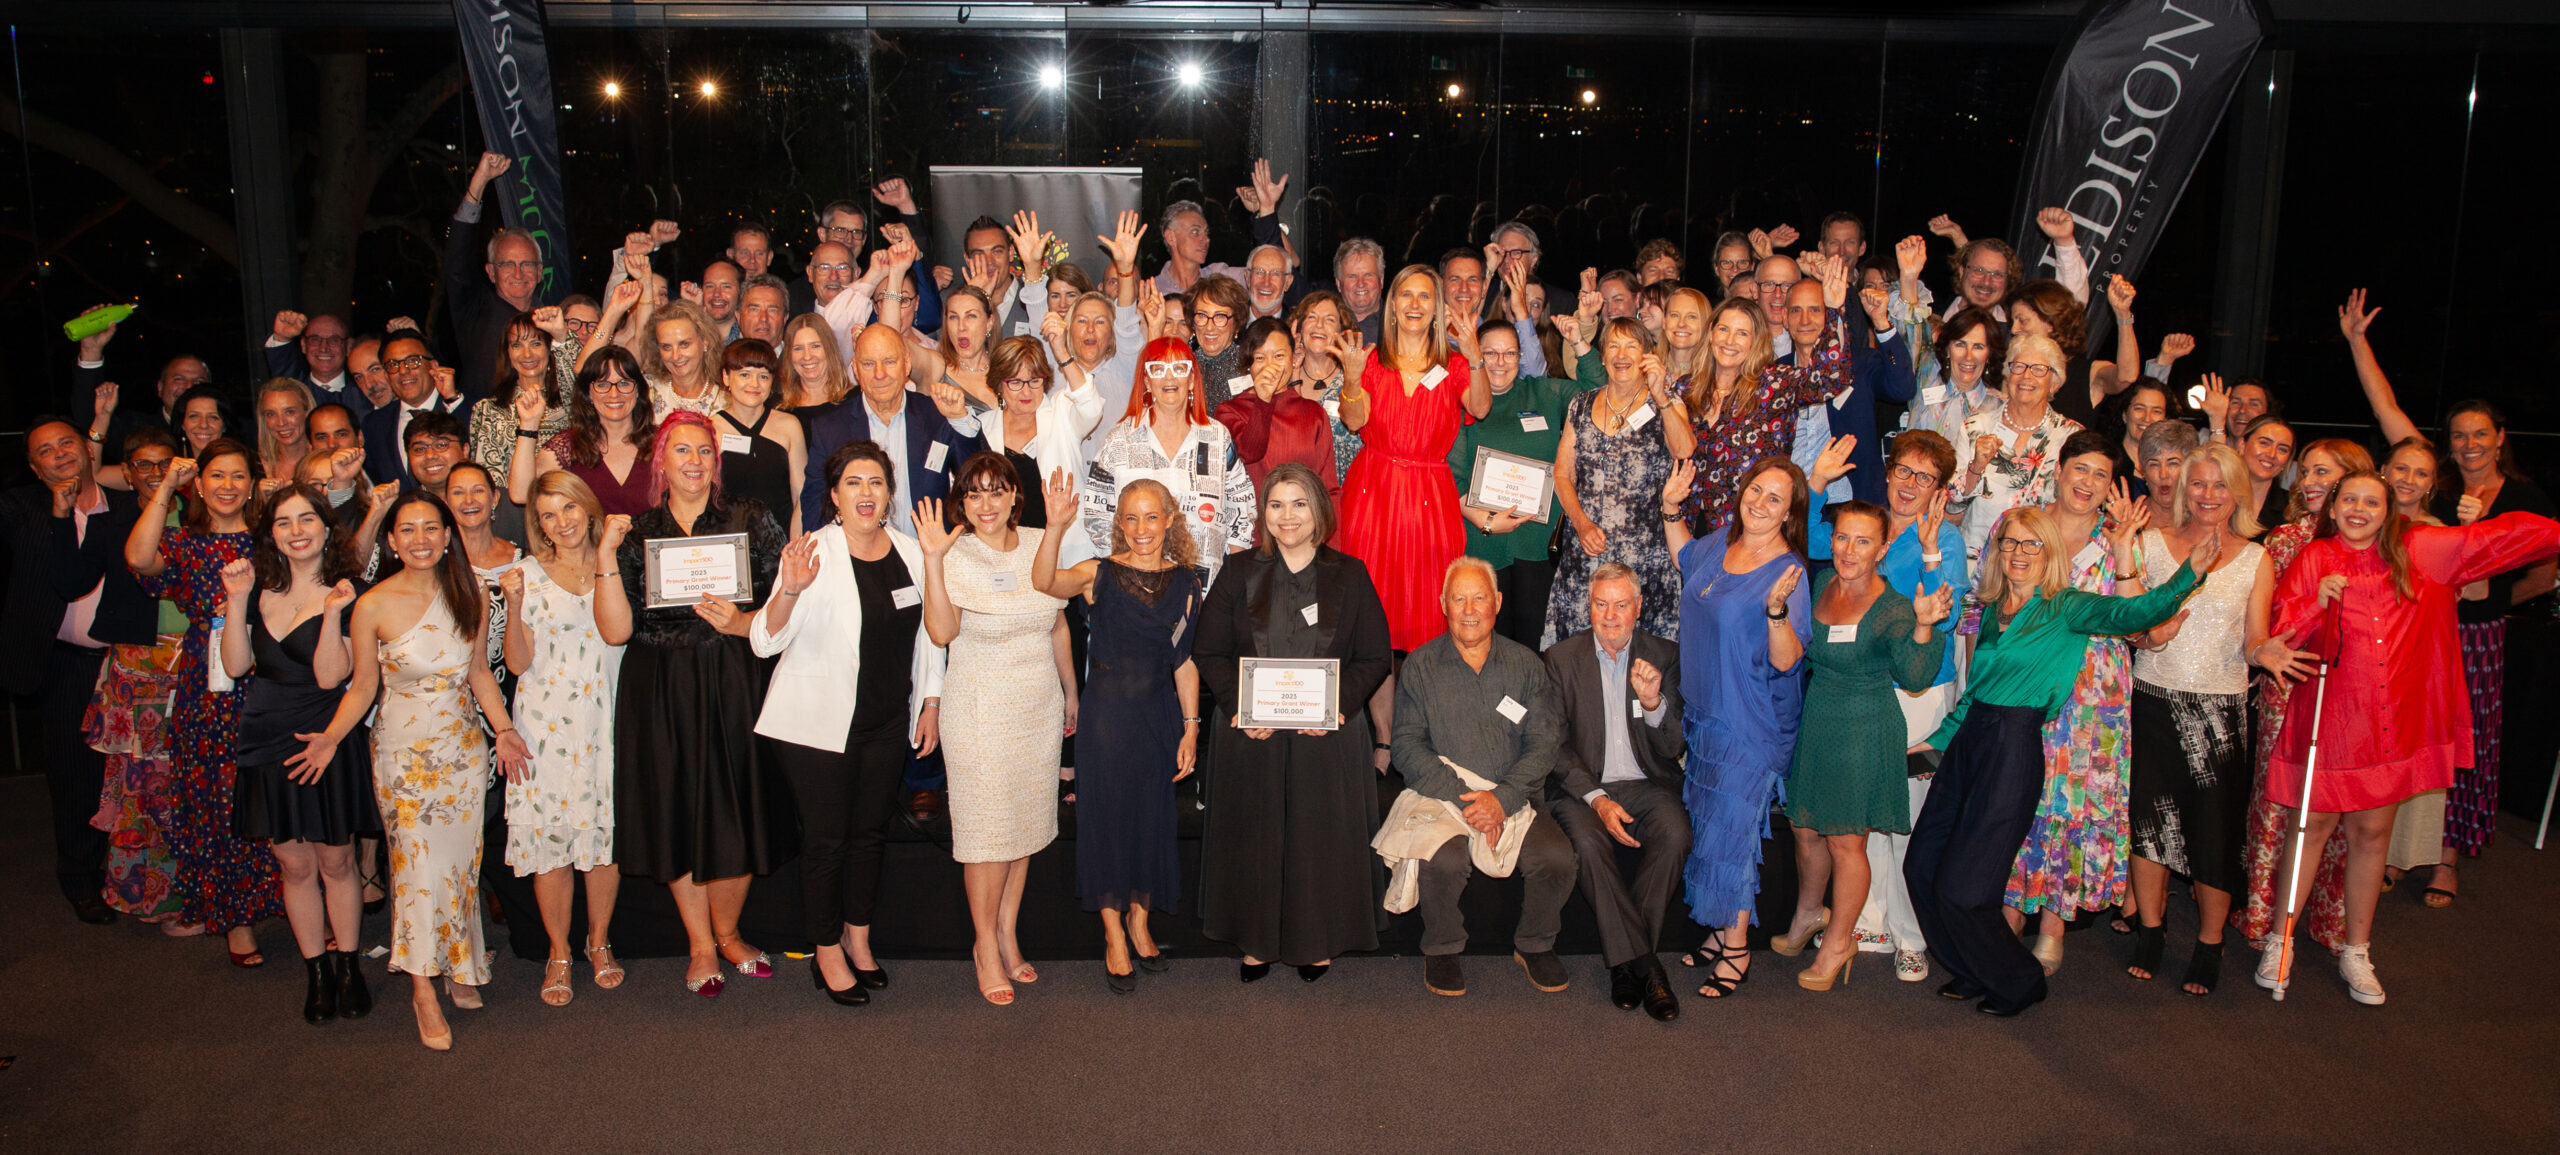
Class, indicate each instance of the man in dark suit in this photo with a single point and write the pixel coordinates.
(1617, 780)
(49, 610)
(485, 286)
(926, 437)
(314, 351)
(418, 385)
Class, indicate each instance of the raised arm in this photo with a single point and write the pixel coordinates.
(2354, 320)
(142, 547)
(1058, 496)
(941, 618)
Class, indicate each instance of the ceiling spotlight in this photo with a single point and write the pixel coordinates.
(612, 90)
(1590, 97)
(710, 89)
(1052, 77)
(1453, 92)
(1189, 73)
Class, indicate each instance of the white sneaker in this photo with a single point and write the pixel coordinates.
(1911, 966)
(2268, 961)
(2355, 964)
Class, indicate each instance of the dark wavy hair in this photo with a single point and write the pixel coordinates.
(337, 551)
(503, 389)
(586, 426)
(1994, 334)
(853, 451)
(463, 594)
(1792, 529)
(987, 472)
(199, 515)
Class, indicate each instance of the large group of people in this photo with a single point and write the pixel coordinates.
(1600, 580)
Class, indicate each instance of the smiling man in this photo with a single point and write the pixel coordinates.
(484, 300)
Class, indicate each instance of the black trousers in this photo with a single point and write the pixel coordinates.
(1545, 867)
(846, 803)
(1630, 918)
(1964, 842)
(1525, 586)
(74, 774)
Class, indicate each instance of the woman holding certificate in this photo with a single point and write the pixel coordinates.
(848, 613)
(696, 805)
(1287, 874)
(1527, 419)
(1009, 694)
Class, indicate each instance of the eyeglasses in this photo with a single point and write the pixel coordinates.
(1925, 478)
(1206, 317)
(516, 266)
(840, 234)
(2031, 369)
(614, 386)
(2025, 545)
(1025, 383)
(437, 444)
(1978, 273)
(830, 267)
(1163, 369)
(1768, 287)
(1733, 265)
(412, 361)
(1519, 252)
(577, 326)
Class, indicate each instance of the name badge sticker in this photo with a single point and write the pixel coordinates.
(1642, 417)
(1309, 613)
(904, 596)
(1432, 379)
(737, 443)
(2089, 555)
(1533, 423)
(1004, 581)
(1511, 710)
(934, 455)
(1934, 395)
(1844, 634)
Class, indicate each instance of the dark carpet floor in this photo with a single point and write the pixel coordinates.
(124, 1040)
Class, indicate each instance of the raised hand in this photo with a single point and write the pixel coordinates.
(181, 471)
(238, 575)
(1933, 516)
(1986, 446)
(103, 407)
(383, 493)
(1911, 255)
(1351, 350)
(942, 276)
(2468, 509)
(1268, 190)
(511, 585)
(1058, 496)
(268, 485)
(1053, 333)
(1151, 306)
(930, 532)
(690, 291)
(1675, 488)
(637, 245)
(396, 324)
(2055, 224)
(1834, 463)
(2176, 345)
(529, 407)
(894, 234)
(1122, 244)
(552, 321)
(664, 232)
(1942, 225)
(2217, 399)
(1786, 584)
(445, 386)
(617, 526)
(492, 166)
(635, 271)
(893, 193)
(1835, 284)
(1644, 680)
(1782, 236)
(2120, 298)
(289, 324)
(339, 597)
(1874, 300)
(984, 274)
(94, 346)
(799, 566)
(1462, 337)
(1568, 327)
(1649, 370)
(1763, 246)
(1030, 245)
(948, 399)
(2354, 318)
(1929, 609)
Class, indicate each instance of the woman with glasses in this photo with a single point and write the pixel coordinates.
(1101, 333)
(2008, 452)
(1529, 417)
(2047, 309)
(1219, 308)
(1042, 427)
(763, 450)
(1167, 435)
(1272, 422)
(814, 380)
(1314, 323)
(610, 425)
(2190, 713)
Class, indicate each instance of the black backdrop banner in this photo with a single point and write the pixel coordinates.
(2129, 107)
(502, 42)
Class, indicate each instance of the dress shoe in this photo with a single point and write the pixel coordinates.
(1626, 984)
(320, 994)
(852, 996)
(1546, 971)
(877, 978)
(1120, 982)
(1659, 1002)
(355, 1000)
(1444, 974)
(1959, 990)
(1156, 964)
(1252, 972)
(1997, 1011)
(88, 907)
(926, 805)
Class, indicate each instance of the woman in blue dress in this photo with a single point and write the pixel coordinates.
(1744, 623)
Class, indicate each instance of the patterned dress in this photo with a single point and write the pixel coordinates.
(1761, 426)
(222, 881)
(561, 815)
(2075, 855)
(430, 776)
(2023, 474)
(2263, 841)
(1618, 481)
(1346, 444)
(128, 721)
(1002, 709)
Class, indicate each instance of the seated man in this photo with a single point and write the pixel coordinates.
(1476, 729)
(1617, 780)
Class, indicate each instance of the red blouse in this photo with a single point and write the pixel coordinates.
(1286, 428)
(2396, 719)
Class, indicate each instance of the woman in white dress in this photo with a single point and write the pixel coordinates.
(1008, 693)
(560, 813)
(419, 638)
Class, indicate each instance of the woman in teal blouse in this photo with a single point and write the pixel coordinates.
(1527, 418)
(2035, 634)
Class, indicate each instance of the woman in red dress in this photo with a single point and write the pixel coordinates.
(1399, 503)
(2394, 717)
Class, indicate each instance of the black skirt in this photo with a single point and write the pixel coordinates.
(694, 791)
(2191, 778)
(267, 806)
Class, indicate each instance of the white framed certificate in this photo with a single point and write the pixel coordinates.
(1289, 693)
(681, 570)
(1509, 483)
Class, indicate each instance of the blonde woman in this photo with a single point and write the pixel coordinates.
(1742, 407)
(282, 405)
(681, 360)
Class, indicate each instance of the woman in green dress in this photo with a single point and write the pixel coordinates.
(1849, 778)
(1527, 419)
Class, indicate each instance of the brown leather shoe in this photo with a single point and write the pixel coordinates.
(928, 805)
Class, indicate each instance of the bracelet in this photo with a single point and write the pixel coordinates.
(1191, 721)
(1383, 746)
(1932, 560)
(530, 434)
(99, 438)
(1671, 515)
(614, 574)
(1779, 616)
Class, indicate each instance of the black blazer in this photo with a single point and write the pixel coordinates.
(126, 615)
(39, 585)
(1234, 624)
(1573, 668)
(385, 458)
(851, 421)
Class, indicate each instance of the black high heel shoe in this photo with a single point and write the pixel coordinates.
(1121, 982)
(877, 978)
(1252, 972)
(2148, 941)
(355, 1000)
(1154, 964)
(1310, 972)
(320, 998)
(852, 996)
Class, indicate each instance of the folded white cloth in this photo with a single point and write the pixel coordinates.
(1417, 827)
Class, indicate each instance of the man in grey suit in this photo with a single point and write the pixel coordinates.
(1617, 781)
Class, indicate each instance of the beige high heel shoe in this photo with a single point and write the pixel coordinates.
(1791, 946)
(2048, 951)
(442, 1042)
(1807, 979)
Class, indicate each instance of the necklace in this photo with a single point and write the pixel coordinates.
(1618, 413)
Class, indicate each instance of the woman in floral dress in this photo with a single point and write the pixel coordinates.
(1742, 408)
(2008, 453)
(223, 883)
(1619, 445)
(128, 721)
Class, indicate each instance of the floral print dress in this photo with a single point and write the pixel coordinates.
(221, 880)
(2023, 474)
(431, 776)
(1761, 426)
(561, 815)
(1617, 479)
(2075, 855)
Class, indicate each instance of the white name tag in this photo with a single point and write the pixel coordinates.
(2089, 555)
(1841, 402)
(1635, 708)
(1308, 613)
(934, 454)
(1004, 581)
(1240, 383)
(737, 443)
(1533, 423)
(1432, 379)
(1333, 410)
(1022, 328)
(905, 596)
(1511, 710)
(1934, 395)
(1641, 417)
(1842, 634)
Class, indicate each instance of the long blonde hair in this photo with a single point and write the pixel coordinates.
(1746, 384)
(267, 446)
(1993, 588)
(2244, 517)
(838, 382)
(562, 483)
(1678, 367)
(1436, 346)
(705, 331)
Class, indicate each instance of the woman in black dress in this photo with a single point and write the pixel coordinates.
(1145, 715)
(1287, 871)
(697, 807)
(762, 448)
(299, 576)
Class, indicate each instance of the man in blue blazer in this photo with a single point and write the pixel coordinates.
(418, 385)
(926, 437)
(313, 350)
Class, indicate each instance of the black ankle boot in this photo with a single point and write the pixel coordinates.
(320, 999)
(355, 1000)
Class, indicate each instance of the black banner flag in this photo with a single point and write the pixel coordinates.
(502, 42)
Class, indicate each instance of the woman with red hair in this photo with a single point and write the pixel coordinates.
(1167, 436)
(697, 803)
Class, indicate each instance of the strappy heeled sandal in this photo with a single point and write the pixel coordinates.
(608, 971)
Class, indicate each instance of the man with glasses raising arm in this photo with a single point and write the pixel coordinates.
(484, 305)
(418, 385)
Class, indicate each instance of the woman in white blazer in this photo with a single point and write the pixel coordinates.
(1043, 419)
(847, 612)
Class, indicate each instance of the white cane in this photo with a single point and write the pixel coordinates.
(2302, 818)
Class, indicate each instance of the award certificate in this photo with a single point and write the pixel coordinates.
(683, 569)
(1289, 693)
(1510, 483)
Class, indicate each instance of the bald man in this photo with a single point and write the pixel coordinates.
(926, 437)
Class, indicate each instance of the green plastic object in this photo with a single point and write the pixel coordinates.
(96, 320)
